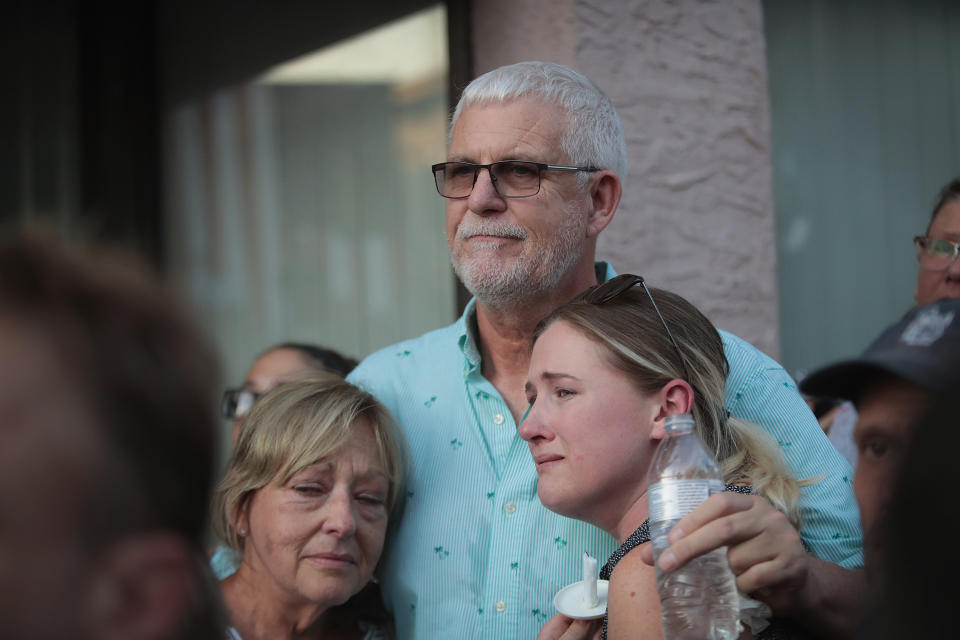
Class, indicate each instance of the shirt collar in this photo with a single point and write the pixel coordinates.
(468, 334)
(604, 270)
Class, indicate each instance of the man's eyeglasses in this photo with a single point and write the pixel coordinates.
(511, 178)
(934, 254)
(237, 402)
(614, 287)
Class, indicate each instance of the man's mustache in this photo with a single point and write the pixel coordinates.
(494, 228)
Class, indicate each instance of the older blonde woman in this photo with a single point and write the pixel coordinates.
(315, 478)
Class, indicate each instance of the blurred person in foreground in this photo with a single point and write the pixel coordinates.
(315, 478)
(108, 447)
(916, 592)
(606, 371)
(533, 175)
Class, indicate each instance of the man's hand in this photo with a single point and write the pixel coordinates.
(765, 551)
(769, 561)
(560, 627)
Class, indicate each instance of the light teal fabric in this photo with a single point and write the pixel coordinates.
(476, 554)
(224, 562)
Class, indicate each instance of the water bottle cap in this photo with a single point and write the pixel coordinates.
(678, 421)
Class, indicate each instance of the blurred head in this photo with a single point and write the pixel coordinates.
(939, 275)
(892, 384)
(317, 472)
(310, 358)
(108, 447)
(509, 250)
(888, 411)
(601, 374)
(913, 600)
(282, 363)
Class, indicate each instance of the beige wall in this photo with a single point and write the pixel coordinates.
(689, 81)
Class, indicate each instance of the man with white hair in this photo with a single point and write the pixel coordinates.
(533, 174)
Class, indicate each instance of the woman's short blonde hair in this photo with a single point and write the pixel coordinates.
(293, 426)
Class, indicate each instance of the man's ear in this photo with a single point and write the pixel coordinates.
(675, 397)
(605, 192)
(143, 587)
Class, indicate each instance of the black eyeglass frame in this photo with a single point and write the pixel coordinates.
(606, 291)
(920, 243)
(230, 401)
(440, 167)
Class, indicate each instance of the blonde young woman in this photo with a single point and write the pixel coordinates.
(605, 371)
(314, 480)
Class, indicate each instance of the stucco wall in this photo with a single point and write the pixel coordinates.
(688, 78)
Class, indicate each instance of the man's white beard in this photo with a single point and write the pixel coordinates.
(508, 284)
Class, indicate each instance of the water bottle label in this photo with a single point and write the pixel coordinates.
(670, 498)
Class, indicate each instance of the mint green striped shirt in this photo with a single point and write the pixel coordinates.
(476, 554)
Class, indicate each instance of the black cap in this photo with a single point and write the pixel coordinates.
(922, 348)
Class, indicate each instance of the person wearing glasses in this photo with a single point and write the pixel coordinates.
(280, 363)
(938, 278)
(605, 372)
(284, 362)
(314, 480)
(939, 274)
(533, 175)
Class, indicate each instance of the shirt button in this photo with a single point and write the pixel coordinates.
(498, 419)
(510, 507)
(501, 606)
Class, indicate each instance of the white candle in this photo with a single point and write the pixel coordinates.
(589, 580)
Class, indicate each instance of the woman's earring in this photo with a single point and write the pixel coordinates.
(242, 532)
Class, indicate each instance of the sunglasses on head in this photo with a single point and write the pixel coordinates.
(614, 287)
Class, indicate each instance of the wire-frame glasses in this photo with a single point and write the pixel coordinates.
(511, 178)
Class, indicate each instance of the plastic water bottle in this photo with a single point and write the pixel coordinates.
(699, 601)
